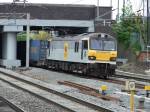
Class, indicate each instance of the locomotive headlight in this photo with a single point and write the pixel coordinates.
(92, 58)
(113, 59)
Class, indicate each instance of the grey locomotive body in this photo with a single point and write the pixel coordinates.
(90, 54)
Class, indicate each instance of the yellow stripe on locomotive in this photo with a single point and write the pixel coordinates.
(65, 51)
(102, 55)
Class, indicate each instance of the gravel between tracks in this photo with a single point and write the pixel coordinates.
(137, 67)
(52, 78)
(26, 101)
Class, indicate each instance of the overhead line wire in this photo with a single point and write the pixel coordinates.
(77, 1)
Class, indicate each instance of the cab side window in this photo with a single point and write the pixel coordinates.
(76, 48)
(85, 44)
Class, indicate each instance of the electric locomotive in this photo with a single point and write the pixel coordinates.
(90, 54)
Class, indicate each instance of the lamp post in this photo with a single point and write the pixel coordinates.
(124, 3)
(118, 10)
(28, 40)
(97, 8)
(111, 3)
(148, 22)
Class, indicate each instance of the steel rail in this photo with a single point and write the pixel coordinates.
(121, 74)
(72, 98)
(128, 75)
(11, 105)
(88, 90)
(121, 82)
(38, 96)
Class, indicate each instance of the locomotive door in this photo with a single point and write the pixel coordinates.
(84, 49)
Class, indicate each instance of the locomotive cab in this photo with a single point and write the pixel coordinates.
(103, 53)
(102, 49)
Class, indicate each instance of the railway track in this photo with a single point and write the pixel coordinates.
(121, 82)
(9, 106)
(120, 74)
(49, 94)
(128, 75)
(117, 81)
(88, 90)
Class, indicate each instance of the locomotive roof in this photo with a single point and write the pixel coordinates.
(81, 36)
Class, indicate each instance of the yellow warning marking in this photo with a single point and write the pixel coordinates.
(132, 101)
(147, 88)
(103, 87)
(65, 51)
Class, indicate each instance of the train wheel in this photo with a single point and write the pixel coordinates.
(84, 71)
(69, 68)
(112, 72)
(105, 76)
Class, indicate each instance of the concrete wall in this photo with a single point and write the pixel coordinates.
(9, 46)
(55, 11)
(51, 23)
(0, 45)
(104, 29)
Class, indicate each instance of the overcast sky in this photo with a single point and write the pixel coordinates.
(136, 3)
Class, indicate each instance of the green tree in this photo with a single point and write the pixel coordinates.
(41, 35)
(128, 24)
